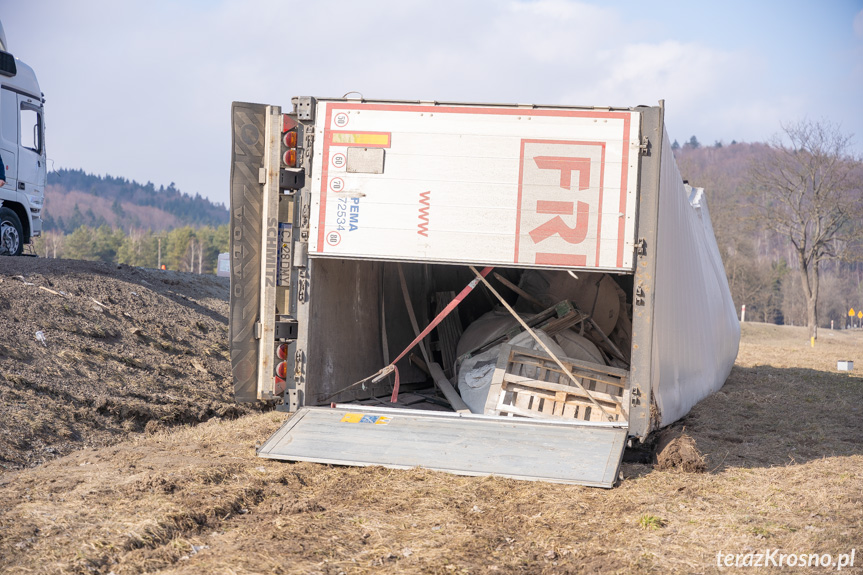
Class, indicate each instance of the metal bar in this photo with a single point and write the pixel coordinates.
(269, 252)
(519, 291)
(649, 174)
(610, 344)
(446, 387)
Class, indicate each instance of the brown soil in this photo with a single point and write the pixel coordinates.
(675, 449)
(124, 349)
(783, 442)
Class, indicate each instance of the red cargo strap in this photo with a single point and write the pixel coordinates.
(440, 317)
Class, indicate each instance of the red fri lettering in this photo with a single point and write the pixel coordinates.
(556, 225)
(567, 166)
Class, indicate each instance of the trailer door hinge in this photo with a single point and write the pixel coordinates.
(644, 147)
(258, 330)
(641, 247)
(298, 364)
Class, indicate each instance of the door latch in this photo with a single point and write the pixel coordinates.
(639, 295)
(644, 147)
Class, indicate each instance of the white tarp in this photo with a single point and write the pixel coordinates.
(696, 332)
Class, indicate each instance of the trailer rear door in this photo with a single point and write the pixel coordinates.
(517, 186)
(464, 444)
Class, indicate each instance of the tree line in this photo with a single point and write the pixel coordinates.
(184, 249)
(788, 219)
(194, 210)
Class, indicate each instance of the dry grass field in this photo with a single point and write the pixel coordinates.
(783, 442)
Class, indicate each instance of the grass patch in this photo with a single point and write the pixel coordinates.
(651, 522)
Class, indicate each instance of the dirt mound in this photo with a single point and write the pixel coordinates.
(91, 352)
(676, 450)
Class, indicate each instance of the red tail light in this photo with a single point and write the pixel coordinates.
(282, 370)
(282, 351)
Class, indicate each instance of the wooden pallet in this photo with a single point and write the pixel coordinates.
(528, 383)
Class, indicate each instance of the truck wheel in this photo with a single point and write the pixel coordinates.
(11, 235)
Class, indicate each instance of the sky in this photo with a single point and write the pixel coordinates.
(143, 90)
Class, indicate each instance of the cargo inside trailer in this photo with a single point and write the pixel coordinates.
(360, 322)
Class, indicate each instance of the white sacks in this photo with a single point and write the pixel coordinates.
(475, 373)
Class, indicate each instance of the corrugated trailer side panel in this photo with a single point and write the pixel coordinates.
(696, 330)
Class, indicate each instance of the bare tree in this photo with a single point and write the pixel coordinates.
(53, 242)
(808, 191)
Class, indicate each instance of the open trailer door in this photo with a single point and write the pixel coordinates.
(578, 452)
(535, 427)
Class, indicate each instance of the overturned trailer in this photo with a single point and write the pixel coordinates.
(359, 228)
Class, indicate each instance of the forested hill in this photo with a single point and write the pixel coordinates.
(74, 198)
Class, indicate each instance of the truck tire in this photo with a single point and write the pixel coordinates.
(11, 233)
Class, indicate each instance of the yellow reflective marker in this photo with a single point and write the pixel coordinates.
(375, 139)
(851, 312)
(860, 314)
(812, 341)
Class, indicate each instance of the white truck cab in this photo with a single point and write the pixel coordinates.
(22, 149)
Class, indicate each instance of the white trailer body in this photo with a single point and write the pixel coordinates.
(333, 202)
(22, 149)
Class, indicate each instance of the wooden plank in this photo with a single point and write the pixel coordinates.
(595, 416)
(555, 326)
(515, 410)
(607, 369)
(596, 376)
(578, 402)
(593, 373)
(495, 390)
(551, 386)
(559, 403)
(522, 399)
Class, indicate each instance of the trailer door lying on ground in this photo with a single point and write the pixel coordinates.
(544, 450)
